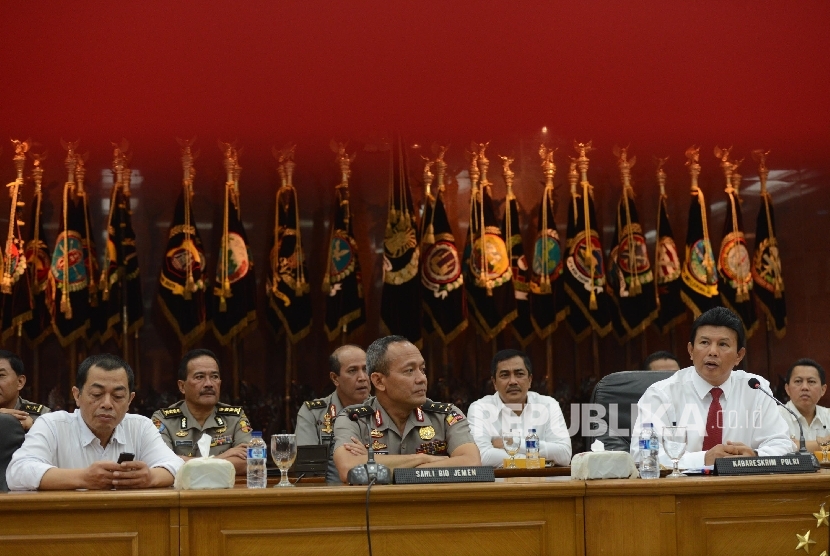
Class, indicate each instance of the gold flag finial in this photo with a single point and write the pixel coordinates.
(508, 175)
(583, 149)
(625, 164)
(661, 174)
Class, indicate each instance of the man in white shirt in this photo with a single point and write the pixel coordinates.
(513, 406)
(724, 417)
(806, 384)
(79, 450)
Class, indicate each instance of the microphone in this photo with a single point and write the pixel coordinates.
(755, 384)
(370, 471)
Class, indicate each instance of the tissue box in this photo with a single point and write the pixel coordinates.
(521, 463)
(205, 473)
(603, 465)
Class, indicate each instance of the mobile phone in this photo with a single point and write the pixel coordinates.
(125, 456)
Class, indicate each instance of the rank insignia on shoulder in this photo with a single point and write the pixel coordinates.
(159, 425)
(426, 433)
(435, 407)
(376, 433)
(182, 434)
(230, 410)
(454, 417)
(171, 412)
(360, 411)
(245, 425)
(315, 404)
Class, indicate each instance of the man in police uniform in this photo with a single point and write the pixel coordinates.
(315, 420)
(403, 426)
(182, 424)
(16, 414)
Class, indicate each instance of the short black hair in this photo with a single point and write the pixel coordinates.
(106, 361)
(803, 362)
(376, 353)
(194, 354)
(15, 362)
(658, 355)
(334, 360)
(506, 354)
(720, 316)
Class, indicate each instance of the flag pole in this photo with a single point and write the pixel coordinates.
(235, 367)
(288, 380)
(36, 373)
(73, 362)
(549, 363)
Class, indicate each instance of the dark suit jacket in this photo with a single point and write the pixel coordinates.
(11, 438)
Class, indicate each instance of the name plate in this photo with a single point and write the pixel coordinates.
(793, 463)
(430, 475)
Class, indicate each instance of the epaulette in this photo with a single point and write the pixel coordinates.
(316, 404)
(229, 410)
(435, 407)
(359, 411)
(171, 412)
(33, 408)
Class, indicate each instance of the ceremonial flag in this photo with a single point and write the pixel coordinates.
(129, 257)
(345, 308)
(441, 277)
(585, 277)
(16, 296)
(487, 274)
(667, 265)
(112, 270)
(699, 288)
(289, 301)
(234, 293)
(97, 313)
(734, 264)
(511, 230)
(548, 305)
(766, 263)
(38, 265)
(629, 270)
(182, 291)
(68, 285)
(400, 305)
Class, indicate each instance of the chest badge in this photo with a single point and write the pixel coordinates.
(326, 429)
(182, 434)
(221, 430)
(376, 445)
(376, 433)
(426, 433)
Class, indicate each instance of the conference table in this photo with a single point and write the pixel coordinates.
(515, 515)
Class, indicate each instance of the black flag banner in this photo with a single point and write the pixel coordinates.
(96, 313)
(766, 263)
(441, 277)
(112, 270)
(234, 293)
(68, 284)
(699, 288)
(16, 296)
(38, 264)
(666, 264)
(488, 278)
(548, 305)
(134, 305)
(289, 301)
(345, 307)
(585, 276)
(522, 325)
(182, 291)
(400, 305)
(630, 276)
(734, 265)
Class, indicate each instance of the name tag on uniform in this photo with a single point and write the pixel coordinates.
(184, 443)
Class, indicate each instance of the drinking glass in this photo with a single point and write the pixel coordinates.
(284, 452)
(824, 442)
(512, 444)
(674, 444)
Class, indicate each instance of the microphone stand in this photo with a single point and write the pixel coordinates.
(755, 384)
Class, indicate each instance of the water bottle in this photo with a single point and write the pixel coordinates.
(257, 453)
(649, 448)
(532, 449)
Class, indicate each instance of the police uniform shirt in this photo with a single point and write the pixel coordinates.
(312, 425)
(434, 428)
(33, 409)
(227, 426)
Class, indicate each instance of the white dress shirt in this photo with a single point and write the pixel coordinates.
(489, 418)
(63, 440)
(819, 427)
(749, 417)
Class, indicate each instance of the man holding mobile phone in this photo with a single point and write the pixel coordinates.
(80, 450)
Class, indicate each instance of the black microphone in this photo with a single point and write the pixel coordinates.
(369, 471)
(755, 384)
